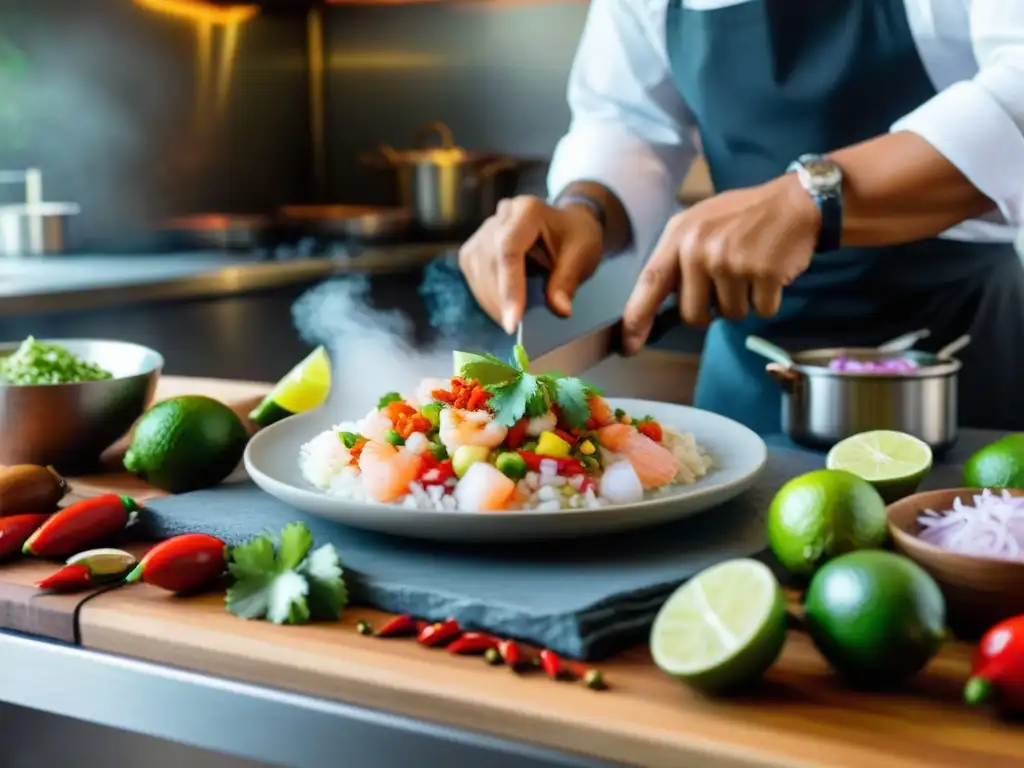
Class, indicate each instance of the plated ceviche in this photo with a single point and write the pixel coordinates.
(496, 437)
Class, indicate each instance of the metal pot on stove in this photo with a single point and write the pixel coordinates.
(446, 187)
(822, 405)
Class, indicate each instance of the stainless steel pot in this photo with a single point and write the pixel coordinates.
(35, 229)
(820, 407)
(446, 187)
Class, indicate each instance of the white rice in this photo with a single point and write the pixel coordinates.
(324, 463)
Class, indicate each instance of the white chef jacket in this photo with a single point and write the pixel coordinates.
(632, 132)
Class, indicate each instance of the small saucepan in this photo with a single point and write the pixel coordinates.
(823, 405)
(363, 223)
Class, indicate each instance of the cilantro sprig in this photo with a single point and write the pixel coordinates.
(515, 392)
(290, 583)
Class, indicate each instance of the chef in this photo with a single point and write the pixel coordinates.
(868, 157)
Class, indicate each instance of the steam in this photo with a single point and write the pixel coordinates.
(375, 350)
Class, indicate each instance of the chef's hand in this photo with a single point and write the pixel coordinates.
(494, 258)
(738, 249)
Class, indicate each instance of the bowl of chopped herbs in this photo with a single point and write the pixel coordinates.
(63, 402)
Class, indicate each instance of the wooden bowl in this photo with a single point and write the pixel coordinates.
(979, 591)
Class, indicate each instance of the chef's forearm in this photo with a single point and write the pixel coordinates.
(617, 231)
(898, 188)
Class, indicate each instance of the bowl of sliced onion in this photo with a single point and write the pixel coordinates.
(971, 541)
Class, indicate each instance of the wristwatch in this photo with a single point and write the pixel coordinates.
(823, 180)
(573, 198)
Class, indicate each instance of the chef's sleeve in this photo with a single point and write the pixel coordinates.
(630, 130)
(978, 124)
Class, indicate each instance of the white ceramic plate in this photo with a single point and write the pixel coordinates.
(272, 460)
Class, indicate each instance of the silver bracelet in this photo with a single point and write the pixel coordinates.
(592, 205)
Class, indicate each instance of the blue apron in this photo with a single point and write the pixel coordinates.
(767, 81)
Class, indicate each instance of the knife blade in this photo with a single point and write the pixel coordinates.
(587, 350)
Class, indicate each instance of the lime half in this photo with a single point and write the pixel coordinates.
(894, 462)
(721, 630)
(304, 388)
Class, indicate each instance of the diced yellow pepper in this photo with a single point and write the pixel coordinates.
(550, 444)
(587, 448)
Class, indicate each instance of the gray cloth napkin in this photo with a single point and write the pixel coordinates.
(587, 598)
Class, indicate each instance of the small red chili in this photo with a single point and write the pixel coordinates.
(182, 563)
(509, 650)
(15, 530)
(551, 663)
(399, 626)
(517, 434)
(473, 643)
(439, 634)
(421, 625)
(70, 578)
(590, 675)
(81, 525)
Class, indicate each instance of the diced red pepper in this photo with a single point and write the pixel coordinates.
(439, 634)
(356, 451)
(473, 643)
(435, 472)
(517, 434)
(564, 466)
(566, 435)
(399, 626)
(70, 578)
(651, 429)
(410, 424)
(397, 410)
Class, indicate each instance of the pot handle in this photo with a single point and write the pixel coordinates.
(384, 156)
(494, 167)
(437, 129)
(786, 378)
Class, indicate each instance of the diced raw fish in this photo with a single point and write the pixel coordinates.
(387, 471)
(483, 488)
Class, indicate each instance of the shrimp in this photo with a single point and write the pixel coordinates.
(375, 426)
(387, 471)
(653, 464)
(483, 489)
(425, 389)
(459, 428)
(600, 411)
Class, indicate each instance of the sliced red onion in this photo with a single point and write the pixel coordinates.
(845, 364)
(992, 526)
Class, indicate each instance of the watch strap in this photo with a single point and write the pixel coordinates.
(830, 234)
(573, 198)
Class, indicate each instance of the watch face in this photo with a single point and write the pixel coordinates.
(821, 175)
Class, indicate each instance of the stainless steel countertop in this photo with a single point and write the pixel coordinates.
(55, 284)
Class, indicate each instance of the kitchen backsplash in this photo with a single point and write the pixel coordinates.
(138, 113)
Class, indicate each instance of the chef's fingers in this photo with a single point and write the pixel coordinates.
(695, 295)
(732, 297)
(570, 269)
(766, 296)
(513, 238)
(659, 278)
(475, 266)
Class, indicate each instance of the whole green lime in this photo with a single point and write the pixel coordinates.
(998, 465)
(822, 514)
(186, 443)
(876, 616)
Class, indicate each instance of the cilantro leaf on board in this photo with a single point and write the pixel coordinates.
(509, 400)
(571, 394)
(293, 546)
(286, 585)
(328, 595)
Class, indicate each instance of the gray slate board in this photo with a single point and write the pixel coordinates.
(586, 599)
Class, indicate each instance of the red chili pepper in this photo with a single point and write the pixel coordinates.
(650, 428)
(421, 625)
(997, 675)
(473, 643)
(551, 663)
(509, 650)
(399, 626)
(182, 563)
(439, 634)
(15, 530)
(81, 525)
(517, 434)
(70, 578)
(589, 675)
